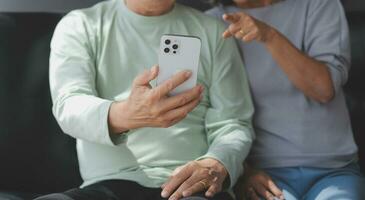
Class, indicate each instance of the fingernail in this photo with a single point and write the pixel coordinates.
(201, 89)
(209, 194)
(188, 74)
(164, 194)
(173, 198)
(186, 194)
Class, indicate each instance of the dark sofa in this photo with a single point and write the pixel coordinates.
(35, 156)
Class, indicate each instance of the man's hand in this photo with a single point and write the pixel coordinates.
(206, 175)
(147, 107)
(246, 28)
(257, 184)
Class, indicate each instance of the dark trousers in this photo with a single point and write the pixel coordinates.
(120, 190)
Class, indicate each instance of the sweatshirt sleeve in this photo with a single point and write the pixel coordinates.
(229, 117)
(327, 38)
(76, 105)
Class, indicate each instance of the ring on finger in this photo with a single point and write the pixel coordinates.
(213, 175)
(203, 183)
(243, 32)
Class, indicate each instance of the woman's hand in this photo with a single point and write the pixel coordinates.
(257, 184)
(197, 176)
(247, 28)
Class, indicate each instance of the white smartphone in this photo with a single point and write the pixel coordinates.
(178, 53)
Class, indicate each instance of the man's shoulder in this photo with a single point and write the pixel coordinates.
(196, 14)
(200, 18)
(216, 12)
(94, 13)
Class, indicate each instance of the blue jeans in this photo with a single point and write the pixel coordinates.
(303, 183)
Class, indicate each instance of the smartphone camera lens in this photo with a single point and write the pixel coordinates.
(175, 46)
(167, 42)
(174, 52)
(166, 50)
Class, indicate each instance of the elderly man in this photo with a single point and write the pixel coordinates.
(135, 142)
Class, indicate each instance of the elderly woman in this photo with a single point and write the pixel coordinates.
(297, 55)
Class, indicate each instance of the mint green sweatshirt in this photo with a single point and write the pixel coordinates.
(97, 52)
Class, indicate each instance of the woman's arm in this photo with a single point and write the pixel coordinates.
(310, 76)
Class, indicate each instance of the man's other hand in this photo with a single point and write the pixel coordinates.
(207, 175)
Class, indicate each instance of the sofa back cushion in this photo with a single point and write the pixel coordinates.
(35, 155)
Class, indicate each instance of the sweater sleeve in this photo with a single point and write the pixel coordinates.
(229, 117)
(327, 38)
(76, 105)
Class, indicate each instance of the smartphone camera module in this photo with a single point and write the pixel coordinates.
(171, 46)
